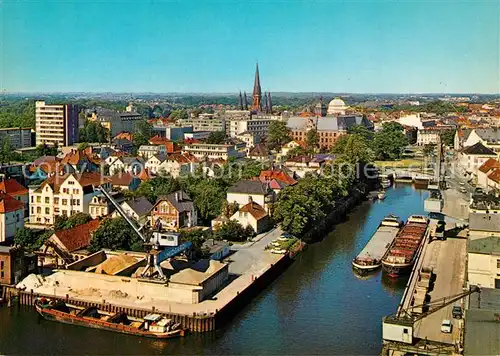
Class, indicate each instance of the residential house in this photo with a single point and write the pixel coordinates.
(126, 164)
(242, 191)
(15, 190)
(67, 246)
(254, 215)
(148, 151)
(303, 164)
(260, 153)
(178, 164)
(287, 147)
(174, 211)
(15, 264)
(100, 206)
(277, 179)
(11, 216)
(170, 146)
(489, 137)
(80, 161)
(122, 145)
(125, 181)
(64, 194)
(249, 138)
(483, 262)
(473, 157)
(487, 174)
(137, 208)
(153, 164)
(217, 250)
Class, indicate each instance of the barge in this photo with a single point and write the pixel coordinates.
(370, 258)
(151, 326)
(401, 255)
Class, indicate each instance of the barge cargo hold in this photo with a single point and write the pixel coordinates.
(402, 253)
(370, 258)
(151, 326)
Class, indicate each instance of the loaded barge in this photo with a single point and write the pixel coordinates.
(370, 258)
(401, 255)
(151, 326)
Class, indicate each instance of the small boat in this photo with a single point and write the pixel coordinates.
(151, 326)
(370, 258)
(385, 182)
(381, 195)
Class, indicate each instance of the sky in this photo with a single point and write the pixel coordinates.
(357, 46)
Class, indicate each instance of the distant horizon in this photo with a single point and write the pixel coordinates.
(212, 46)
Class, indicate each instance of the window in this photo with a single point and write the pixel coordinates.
(71, 182)
(92, 210)
(65, 212)
(56, 200)
(78, 202)
(75, 191)
(32, 210)
(32, 199)
(38, 199)
(1, 274)
(47, 200)
(498, 263)
(47, 210)
(38, 210)
(65, 202)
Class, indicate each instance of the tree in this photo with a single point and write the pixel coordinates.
(389, 143)
(115, 234)
(234, 231)
(93, 131)
(63, 222)
(82, 146)
(362, 131)
(208, 197)
(178, 115)
(30, 239)
(354, 148)
(155, 187)
(428, 149)
(197, 238)
(216, 137)
(143, 132)
(448, 137)
(46, 150)
(6, 153)
(312, 140)
(278, 134)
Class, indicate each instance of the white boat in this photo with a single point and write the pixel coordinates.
(381, 195)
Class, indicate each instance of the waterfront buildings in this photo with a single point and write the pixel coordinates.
(253, 215)
(15, 265)
(56, 124)
(11, 216)
(18, 137)
(64, 195)
(483, 262)
(242, 191)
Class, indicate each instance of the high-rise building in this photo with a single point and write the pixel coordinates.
(56, 124)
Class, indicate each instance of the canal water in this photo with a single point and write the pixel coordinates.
(318, 306)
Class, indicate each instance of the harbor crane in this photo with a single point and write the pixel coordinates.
(160, 245)
(400, 325)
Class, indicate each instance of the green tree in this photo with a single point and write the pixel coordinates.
(277, 135)
(234, 231)
(448, 137)
(6, 154)
(197, 238)
(389, 143)
(115, 234)
(216, 137)
(208, 197)
(428, 149)
(143, 132)
(362, 131)
(178, 115)
(354, 148)
(157, 186)
(46, 150)
(93, 131)
(312, 140)
(82, 146)
(30, 239)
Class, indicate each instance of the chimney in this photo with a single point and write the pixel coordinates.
(250, 200)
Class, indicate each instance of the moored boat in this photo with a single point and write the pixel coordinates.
(151, 326)
(369, 259)
(381, 195)
(421, 182)
(401, 255)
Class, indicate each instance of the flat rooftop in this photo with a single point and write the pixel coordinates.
(486, 245)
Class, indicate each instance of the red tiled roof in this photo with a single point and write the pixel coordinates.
(85, 179)
(121, 179)
(489, 164)
(495, 175)
(77, 237)
(145, 175)
(12, 187)
(9, 204)
(266, 176)
(124, 135)
(256, 210)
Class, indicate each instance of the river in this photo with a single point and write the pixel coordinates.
(318, 305)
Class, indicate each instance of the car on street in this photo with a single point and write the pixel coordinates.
(457, 312)
(446, 326)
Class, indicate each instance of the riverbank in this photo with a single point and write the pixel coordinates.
(318, 294)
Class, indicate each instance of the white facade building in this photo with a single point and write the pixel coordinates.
(56, 124)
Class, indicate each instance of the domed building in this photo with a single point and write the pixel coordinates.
(337, 107)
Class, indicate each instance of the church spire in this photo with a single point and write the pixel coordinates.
(241, 102)
(245, 101)
(269, 102)
(266, 103)
(257, 92)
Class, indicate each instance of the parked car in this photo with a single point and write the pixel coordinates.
(457, 312)
(446, 326)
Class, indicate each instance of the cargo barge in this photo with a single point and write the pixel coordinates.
(401, 255)
(370, 258)
(151, 326)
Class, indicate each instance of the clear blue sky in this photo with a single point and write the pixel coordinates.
(198, 46)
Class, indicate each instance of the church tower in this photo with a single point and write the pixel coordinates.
(257, 93)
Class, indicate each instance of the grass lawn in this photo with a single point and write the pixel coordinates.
(404, 163)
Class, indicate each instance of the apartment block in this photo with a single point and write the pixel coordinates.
(18, 137)
(212, 151)
(56, 124)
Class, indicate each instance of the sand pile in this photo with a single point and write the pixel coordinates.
(118, 294)
(115, 264)
(32, 281)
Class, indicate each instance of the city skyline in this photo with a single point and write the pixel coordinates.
(335, 47)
